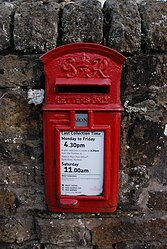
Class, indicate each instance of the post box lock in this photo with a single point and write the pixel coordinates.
(81, 123)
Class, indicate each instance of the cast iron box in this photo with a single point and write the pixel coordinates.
(81, 120)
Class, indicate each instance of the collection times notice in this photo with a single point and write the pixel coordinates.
(82, 162)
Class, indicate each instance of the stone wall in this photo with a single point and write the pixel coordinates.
(138, 30)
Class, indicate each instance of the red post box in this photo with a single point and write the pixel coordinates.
(81, 121)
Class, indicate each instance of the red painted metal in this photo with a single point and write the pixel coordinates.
(82, 77)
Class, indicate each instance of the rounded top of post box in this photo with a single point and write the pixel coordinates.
(82, 47)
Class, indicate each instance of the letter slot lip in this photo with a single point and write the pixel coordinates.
(82, 86)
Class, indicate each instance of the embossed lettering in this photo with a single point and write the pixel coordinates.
(84, 100)
(100, 100)
(85, 67)
(98, 66)
(68, 65)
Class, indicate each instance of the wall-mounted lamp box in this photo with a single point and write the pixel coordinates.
(81, 120)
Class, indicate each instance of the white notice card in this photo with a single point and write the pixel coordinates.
(81, 162)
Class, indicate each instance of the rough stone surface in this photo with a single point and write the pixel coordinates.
(50, 246)
(20, 71)
(145, 108)
(122, 25)
(19, 128)
(16, 229)
(6, 13)
(66, 232)
(7, 203)
(82, 21)
(137, 245)
(143, 141)
(27, 245)
(157, 200)
(37, 31)
(154, 27)
(144, 74)
(112, 232)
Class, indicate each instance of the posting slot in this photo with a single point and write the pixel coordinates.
(82, 89)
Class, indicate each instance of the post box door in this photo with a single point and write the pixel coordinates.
(82, 172)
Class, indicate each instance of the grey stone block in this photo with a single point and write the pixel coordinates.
(7, 203)
(65, 233)
(123, 27)
(82, 21)
(6, 12)
(17, 229)
(154, 24)
(20, 71)
(36, 26)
